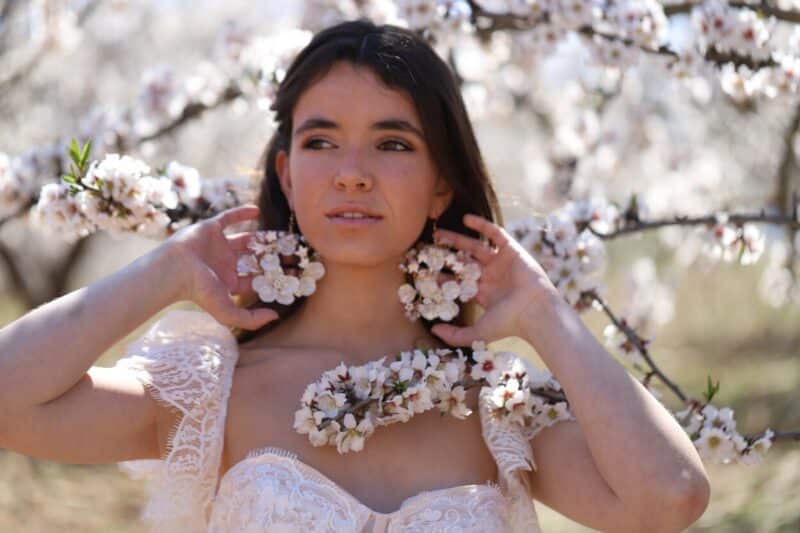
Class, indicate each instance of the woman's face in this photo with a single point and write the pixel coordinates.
(356, 142)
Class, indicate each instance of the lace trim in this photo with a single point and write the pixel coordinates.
(320, 478)
(268, 494)
(185, 362)
(274, 450)
(513, 454)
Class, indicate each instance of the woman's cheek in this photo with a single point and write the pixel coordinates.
(413, 185)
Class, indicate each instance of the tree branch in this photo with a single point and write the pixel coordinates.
(61, 272)
(764, 7)
(192, 111)
(18, 284)
(506, 21)
(638, 342)
(636, 225)
(640, 345)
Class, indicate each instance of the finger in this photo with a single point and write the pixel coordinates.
(476, 248)
(249, 319)
(239, 242)
(499, 237)
(455, 336)
(244, 285)
(238, 214)
(234, 282)
(252, 319)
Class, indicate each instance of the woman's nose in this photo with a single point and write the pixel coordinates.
(352, 177)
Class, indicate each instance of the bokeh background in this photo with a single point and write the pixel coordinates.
(553, 127)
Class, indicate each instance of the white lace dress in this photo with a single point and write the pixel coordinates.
(186, 360)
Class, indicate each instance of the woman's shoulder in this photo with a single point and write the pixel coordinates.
(182, 332)
(184, 359)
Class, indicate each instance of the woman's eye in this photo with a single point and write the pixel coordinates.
(393, 146)
(403, 147)
(311, 143)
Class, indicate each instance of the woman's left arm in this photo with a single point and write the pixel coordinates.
(634, 443)
(625, 456)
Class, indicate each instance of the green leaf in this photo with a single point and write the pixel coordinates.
(69, 179)
(711, 390)
(87, 148)
(74, 151)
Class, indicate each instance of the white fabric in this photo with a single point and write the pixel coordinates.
(186, 361)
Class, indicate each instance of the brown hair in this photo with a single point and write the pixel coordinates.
(403, 61)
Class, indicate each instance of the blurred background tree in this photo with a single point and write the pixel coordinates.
(645, 152)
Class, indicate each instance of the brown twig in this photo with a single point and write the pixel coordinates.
(193, 111)
(18, 284)
(635, 226)
(784, 178)
(61, 272)
(654, 371)
(638, 342)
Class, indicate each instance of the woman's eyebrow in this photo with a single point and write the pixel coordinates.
(387, 124)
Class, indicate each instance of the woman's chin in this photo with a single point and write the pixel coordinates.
(357, 256)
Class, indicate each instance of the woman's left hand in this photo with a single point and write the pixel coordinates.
(512, 283)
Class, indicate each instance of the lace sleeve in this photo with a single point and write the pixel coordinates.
(185, 361)
(509, 441)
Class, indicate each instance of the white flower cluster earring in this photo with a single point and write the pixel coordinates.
(426, 297)
(273, 283)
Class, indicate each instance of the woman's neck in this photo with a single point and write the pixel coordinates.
(356, 310)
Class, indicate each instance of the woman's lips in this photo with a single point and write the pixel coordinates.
(354, 222)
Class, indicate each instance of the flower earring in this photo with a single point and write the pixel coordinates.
(272, 282)
(426, 297)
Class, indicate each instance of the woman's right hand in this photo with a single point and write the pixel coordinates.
(206, 261)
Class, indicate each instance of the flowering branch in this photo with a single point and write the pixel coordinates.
(346, 404)
(763, 7)
(193, 111)
(639, 343)
(712, 430)
(360, 406)
(572, 257)
(633, 225)
(487, 22)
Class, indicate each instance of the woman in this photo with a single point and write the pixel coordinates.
(370, 120)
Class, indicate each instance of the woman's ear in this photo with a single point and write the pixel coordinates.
(282, 168)
(442, 196)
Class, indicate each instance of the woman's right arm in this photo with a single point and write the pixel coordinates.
(55, 405)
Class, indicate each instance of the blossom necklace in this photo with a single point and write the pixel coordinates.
(345, 405)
